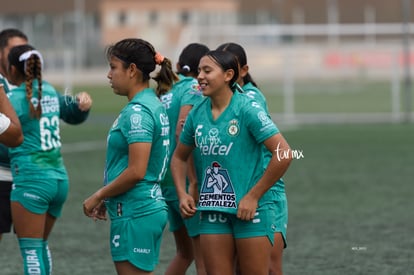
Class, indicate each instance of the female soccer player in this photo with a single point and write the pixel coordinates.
(137, 158)
(73, 110)
(250, 88)
(40, 181)
(228, 130)
(178, 101)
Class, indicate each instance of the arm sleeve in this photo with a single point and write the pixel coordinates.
(187, 134)
(192, 95)
(137, 125)
(69, 111)
(259, 122)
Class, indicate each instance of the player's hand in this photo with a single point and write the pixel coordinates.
(99, 212)
(247, 208)
(193, 191)
(84, 101)
(181, 122)
(187, 206)
(90, 204)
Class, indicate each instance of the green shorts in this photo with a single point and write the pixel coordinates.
(176, 221)
(41, 196)
(138, 240)
(213, 222)
(280, 208)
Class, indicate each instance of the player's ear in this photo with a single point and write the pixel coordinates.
(132, 70)
(244, 70)
(228, 75)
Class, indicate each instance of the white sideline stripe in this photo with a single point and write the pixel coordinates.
(83, 146)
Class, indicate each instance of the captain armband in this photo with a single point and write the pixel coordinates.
(4, 123)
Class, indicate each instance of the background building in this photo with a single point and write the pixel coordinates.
(286, 40)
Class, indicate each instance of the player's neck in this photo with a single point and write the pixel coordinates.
(219, 103)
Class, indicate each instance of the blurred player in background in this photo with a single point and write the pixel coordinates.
(138, 146)
(179, 101)
(71, 111)
(250, 88)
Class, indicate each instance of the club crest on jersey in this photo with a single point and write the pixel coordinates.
(195, 89)
(217, 189)
(136, 121)
(264, 118)
(233, 129)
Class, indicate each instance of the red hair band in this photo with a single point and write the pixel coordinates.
(158, 58)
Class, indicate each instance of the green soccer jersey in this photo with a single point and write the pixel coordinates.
(186, 91)
(254, 93)
(69, 113)
(143, 119)
(39, 154)
(230, 149)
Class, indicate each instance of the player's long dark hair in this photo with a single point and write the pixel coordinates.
(227, 61)
(190, 58)
(241, 56)
(144, 56)
(31, 69)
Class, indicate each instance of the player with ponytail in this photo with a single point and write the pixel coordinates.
(40, 180)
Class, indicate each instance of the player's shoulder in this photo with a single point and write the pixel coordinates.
(204, 101)
(188, 84)
(247, 104)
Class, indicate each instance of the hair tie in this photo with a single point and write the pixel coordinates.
(186, 68)
(158, 58)
(24, 56)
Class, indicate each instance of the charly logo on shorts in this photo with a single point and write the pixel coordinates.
(115, 240)
(217, 189)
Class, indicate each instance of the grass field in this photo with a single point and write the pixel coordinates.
(350, 200)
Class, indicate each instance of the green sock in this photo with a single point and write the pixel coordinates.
(47, 258)
(32, 253)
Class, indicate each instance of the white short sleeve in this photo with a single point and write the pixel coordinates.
(4, 123)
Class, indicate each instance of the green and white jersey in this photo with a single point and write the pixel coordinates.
(230, 149)
(143, 119)
(39, 155)
(254, 93)
(186, 91)
(69, 113)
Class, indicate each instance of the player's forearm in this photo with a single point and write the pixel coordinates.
(274, 171)
(70, 111)
(11, 132)
(179, 171)
(122, 184)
